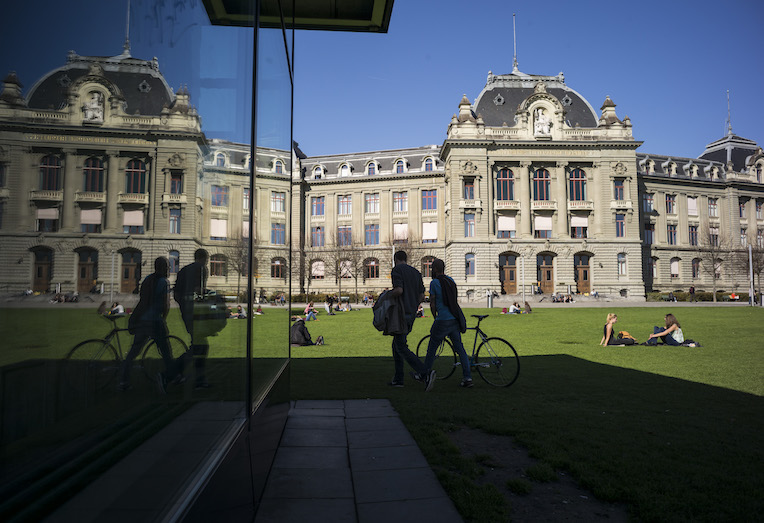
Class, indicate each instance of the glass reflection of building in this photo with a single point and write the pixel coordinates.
(103, 168)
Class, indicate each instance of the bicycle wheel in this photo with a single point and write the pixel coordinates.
(497, 362)
(151, 360)
(443, 365)
(91, 365)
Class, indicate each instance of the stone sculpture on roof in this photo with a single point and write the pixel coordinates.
(93, 108)
(542, 125)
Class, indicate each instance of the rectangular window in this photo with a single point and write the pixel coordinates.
(317, 236)
(469, 188)
(671, 233)
(219, 196)
(133, 222)
(469, 225)
(620, 225)
(505, 227)
(317, 206)
(649, 233)
(430, 232)
(744, 237)
(713, 207)
(174, 221)
(400, 202)
(622, 264)
(675, 268)
(694, 235)
(696, 268)
(218, 229)
(278, 234)
(741, 206)
(371, 234)
(278, 203)
(90, 227)
(618, 190)
(371, 203)
(344, 236)
(245, 199)
(400, 233)
(760, 238)
(542, 233)
(344, 204)
(579, 232)
(176, 183)
(132, 229)
(670, 204)
(713, 236)
(429, 200)
(692, 206)
(759, 212)
(542, 226)
(217, 266)
(469, 265)
(647, 202)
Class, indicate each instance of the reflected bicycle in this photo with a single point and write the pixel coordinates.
(495, 359)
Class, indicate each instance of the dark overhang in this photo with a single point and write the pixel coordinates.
(363, 16)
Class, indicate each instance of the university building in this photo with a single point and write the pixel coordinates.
(103, 167)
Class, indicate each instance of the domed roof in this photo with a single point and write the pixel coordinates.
(138, 82)
(497, 103)
(731, 150)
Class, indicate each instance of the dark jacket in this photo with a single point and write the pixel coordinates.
(388, 315)
(450, 294)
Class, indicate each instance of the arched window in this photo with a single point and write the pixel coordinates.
(345, 170)
(577, 185)
(174, 257)
(50, 173)
(371, 169)
(317, 270)
(92, 175)
(371, 268)
(278, 268)
(652, 267)
(505, 185)
(279, 167)
(675, 267)
(428, 163)
(469, 264)
(220, 160)
(135, 177)
(218, 265)
(427, 266)
(696, 268)
(399, 166)
(541, 182)
(317, 172)
(621, 264)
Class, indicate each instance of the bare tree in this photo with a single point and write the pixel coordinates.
(756, 262)
(237, 252)
(715, 246)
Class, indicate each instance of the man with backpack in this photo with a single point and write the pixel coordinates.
(408, 284)
(449, 320)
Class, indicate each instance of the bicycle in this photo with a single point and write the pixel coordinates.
(93, 364)
(495, 359)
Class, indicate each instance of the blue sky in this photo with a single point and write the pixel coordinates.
(666, 64)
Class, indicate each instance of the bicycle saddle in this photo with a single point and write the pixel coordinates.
(480, 316)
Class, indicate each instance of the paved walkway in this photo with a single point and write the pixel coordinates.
(351, 461)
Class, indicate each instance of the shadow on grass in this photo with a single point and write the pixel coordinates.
(668, 448)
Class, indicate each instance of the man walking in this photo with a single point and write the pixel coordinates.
(449, 320)
(192, 279)
(407, 283)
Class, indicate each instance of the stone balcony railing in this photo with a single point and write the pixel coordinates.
(139, 198)
(579, 205)
(371, 216)
(468, 204)
(544, 205)
(400, 214)
(49, 196)
(620, 204)
(174, 198)
(318, 218)
(506, 204)
(89, 197)
(278, 215)
(429, 212)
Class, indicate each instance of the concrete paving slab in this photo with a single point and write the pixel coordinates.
(386, 458)
(380, 438)
(370, 412)
(371, 424)
(309, 484)
(319, 404)
(314, 438)
(304, 510)
(314, 457)
(315, 422)
(413, 511)
(367, 403)
(396, 485)
(318, 412)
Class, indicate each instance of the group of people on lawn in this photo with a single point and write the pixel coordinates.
(670, 334)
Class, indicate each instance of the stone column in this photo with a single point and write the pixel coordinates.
(601, 206)
(153, 191)
(112, 193)
(525, 200)
(562, 202)
(488, 205)
(68, 209)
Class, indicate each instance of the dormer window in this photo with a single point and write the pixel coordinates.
(399, 167)
(220, 160)
(317, 172)
(279, 167)
(345, 170)
(428, 163)
(371, 169)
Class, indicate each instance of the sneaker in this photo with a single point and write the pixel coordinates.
(429, 381)
(466, 383)
(394, 383)
(417, 377)
(161, 383)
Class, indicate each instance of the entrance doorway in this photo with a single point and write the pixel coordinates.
(545, 273)
(508, 273)
(87, 270)
(43, 268)
(131, 271)
(581, 273)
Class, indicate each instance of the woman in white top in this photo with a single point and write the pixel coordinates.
(671, 335)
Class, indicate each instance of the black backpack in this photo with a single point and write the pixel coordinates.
(298, 334)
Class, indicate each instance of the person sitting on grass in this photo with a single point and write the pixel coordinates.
(608, 335)
(670, 335)
(310, 312)
(514, 308)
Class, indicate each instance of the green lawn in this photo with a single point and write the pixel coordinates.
(675, 433)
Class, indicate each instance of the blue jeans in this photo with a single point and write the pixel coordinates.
(310, 316)
(438, 332)
(401, 352)
(668, 339)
